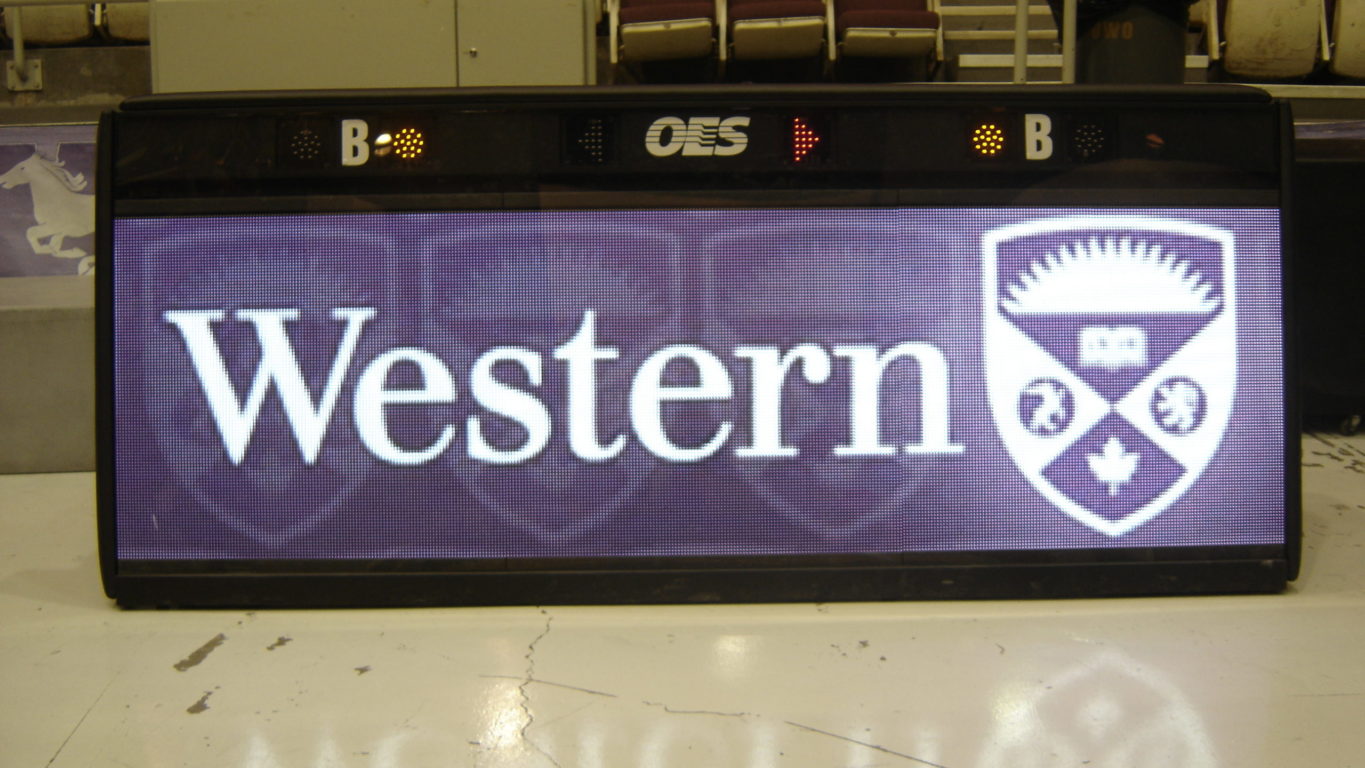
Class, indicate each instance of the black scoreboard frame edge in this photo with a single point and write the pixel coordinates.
(986, 581)
(355, 583)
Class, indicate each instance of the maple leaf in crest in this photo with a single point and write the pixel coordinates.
(1113, 465)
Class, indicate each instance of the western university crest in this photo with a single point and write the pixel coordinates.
(535, 284)
(1110, 358)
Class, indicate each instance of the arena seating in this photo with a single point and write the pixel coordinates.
(887, 28)
(1271, 39)
(127, 22)
(653, 30)
(1348, 36)
(50, 24)
(776, 29)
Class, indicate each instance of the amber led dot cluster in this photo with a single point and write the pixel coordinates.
(988, 139)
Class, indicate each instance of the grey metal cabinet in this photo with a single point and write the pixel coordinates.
(237, 45)
(526, 42)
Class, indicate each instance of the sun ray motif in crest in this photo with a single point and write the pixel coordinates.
(1114, 275)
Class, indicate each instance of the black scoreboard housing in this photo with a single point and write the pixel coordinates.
(547, 149)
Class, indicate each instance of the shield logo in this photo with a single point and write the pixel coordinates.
(1111, 358)
(271, 499)
(527, 280)
(785, 278)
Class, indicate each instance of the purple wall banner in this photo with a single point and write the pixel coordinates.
(47, 200)
(629, 383)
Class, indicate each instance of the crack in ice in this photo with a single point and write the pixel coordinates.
(529, 678)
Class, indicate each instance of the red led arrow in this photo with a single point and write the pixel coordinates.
(804, 139)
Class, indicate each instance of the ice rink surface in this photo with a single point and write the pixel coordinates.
(1237, 681)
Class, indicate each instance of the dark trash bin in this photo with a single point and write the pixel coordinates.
(1129, 41)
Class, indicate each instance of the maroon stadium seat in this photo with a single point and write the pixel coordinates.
(651, 30)
(887, 28)
(776, 29)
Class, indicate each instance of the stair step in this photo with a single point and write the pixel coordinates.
(954, 48)
(996, 34)
(1046, 60)
(993, 22)
(991, 10)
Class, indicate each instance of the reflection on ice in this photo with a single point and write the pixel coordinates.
(386, 753)
(1109, 710)
(733, 655)
(504, 717)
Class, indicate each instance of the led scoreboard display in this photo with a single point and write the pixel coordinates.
(635, 345)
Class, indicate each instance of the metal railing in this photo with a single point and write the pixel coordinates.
(1021, 38)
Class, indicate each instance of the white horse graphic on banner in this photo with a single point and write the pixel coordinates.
(58, 207)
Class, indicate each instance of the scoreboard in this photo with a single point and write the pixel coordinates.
(693, 345)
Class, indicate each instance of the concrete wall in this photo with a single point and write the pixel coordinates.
(47, 374)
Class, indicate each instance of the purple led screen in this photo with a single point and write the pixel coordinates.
(652, 383)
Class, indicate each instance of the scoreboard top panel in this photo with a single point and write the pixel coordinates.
(502, 140)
